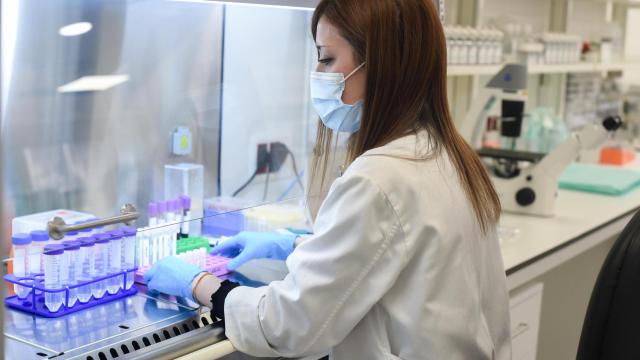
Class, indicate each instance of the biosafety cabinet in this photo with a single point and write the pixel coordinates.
(180, 122)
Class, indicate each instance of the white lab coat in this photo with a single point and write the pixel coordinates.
(397, 268)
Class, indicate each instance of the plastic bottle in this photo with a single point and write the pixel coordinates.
(72, 251)
(114, 261)
(186, 216)
(40, 239)
(101, 249)
(128, 254)
(87, 268)
(53, 261)
(21, 248)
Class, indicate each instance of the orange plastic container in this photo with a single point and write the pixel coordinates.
(616, 155)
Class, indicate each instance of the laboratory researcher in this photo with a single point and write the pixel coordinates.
(404, 261)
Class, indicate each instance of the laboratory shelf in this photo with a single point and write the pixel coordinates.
(582, 67)
(465, 70)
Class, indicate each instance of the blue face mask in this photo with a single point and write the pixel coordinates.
(326, 94)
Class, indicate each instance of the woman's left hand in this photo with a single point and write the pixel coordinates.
(172, 276)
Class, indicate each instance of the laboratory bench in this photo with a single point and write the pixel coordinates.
(152, 327)
(561, 257)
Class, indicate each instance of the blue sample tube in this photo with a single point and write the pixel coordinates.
(53, 266)
(101, 249)
(114, 261)
(36, 259)
(129, 254)
(21, 247)
(87, 266)
(72, 251)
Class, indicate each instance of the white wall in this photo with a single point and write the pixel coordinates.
(536, 13)
(267, 57)
(632, 46)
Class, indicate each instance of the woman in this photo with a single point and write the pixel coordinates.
(404, 261)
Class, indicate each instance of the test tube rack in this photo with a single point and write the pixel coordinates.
(217, 265)
(34, 302)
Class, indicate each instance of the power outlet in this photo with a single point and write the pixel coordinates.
(270, 157)
(260, 148)
(262, 158)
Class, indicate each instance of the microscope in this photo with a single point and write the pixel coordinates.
(527, 183)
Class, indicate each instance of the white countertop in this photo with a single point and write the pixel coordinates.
(577, 214)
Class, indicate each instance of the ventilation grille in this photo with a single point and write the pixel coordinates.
(129, 346)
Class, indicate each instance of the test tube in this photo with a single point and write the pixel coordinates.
(101, 249)
(72, 251)
(36, 260)
(186, 216)
(114, 261)
(148, 237)
(170, 221)
(142, 247)
(128, 254)
(159, 239)
(85, 233)
(177, 215)
(87, 265)
(97, 230)
(21, 246)
(71, 235)
(53, 261)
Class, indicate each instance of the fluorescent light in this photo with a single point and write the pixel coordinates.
(93, 83)
(212, 2)
(75, 29)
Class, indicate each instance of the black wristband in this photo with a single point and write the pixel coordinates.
(218, 298)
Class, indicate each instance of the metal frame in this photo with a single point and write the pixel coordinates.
(57, 227)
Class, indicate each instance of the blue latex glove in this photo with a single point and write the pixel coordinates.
(172, 276)
(255, 245)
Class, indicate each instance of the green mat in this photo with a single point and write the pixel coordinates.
(599, 179)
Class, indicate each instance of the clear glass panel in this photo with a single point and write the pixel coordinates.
(111, 102)
(121, 101)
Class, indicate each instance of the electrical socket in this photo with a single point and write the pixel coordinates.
(270, 157)
(261, 147)
(262, 158)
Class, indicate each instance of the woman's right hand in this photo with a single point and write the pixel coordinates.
(255, 245)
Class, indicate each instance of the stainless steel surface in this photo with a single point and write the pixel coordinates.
(57, 227)
(94, 328)
(119, 324)
(180, 345)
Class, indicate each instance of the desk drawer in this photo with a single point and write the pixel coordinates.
(525, 321)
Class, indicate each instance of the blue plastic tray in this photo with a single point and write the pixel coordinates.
(34, 302)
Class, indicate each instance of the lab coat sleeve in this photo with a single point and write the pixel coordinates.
(335, 277)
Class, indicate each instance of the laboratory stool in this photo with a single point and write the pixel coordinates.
(611, 328)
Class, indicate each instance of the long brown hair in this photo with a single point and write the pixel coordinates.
(404, 47)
